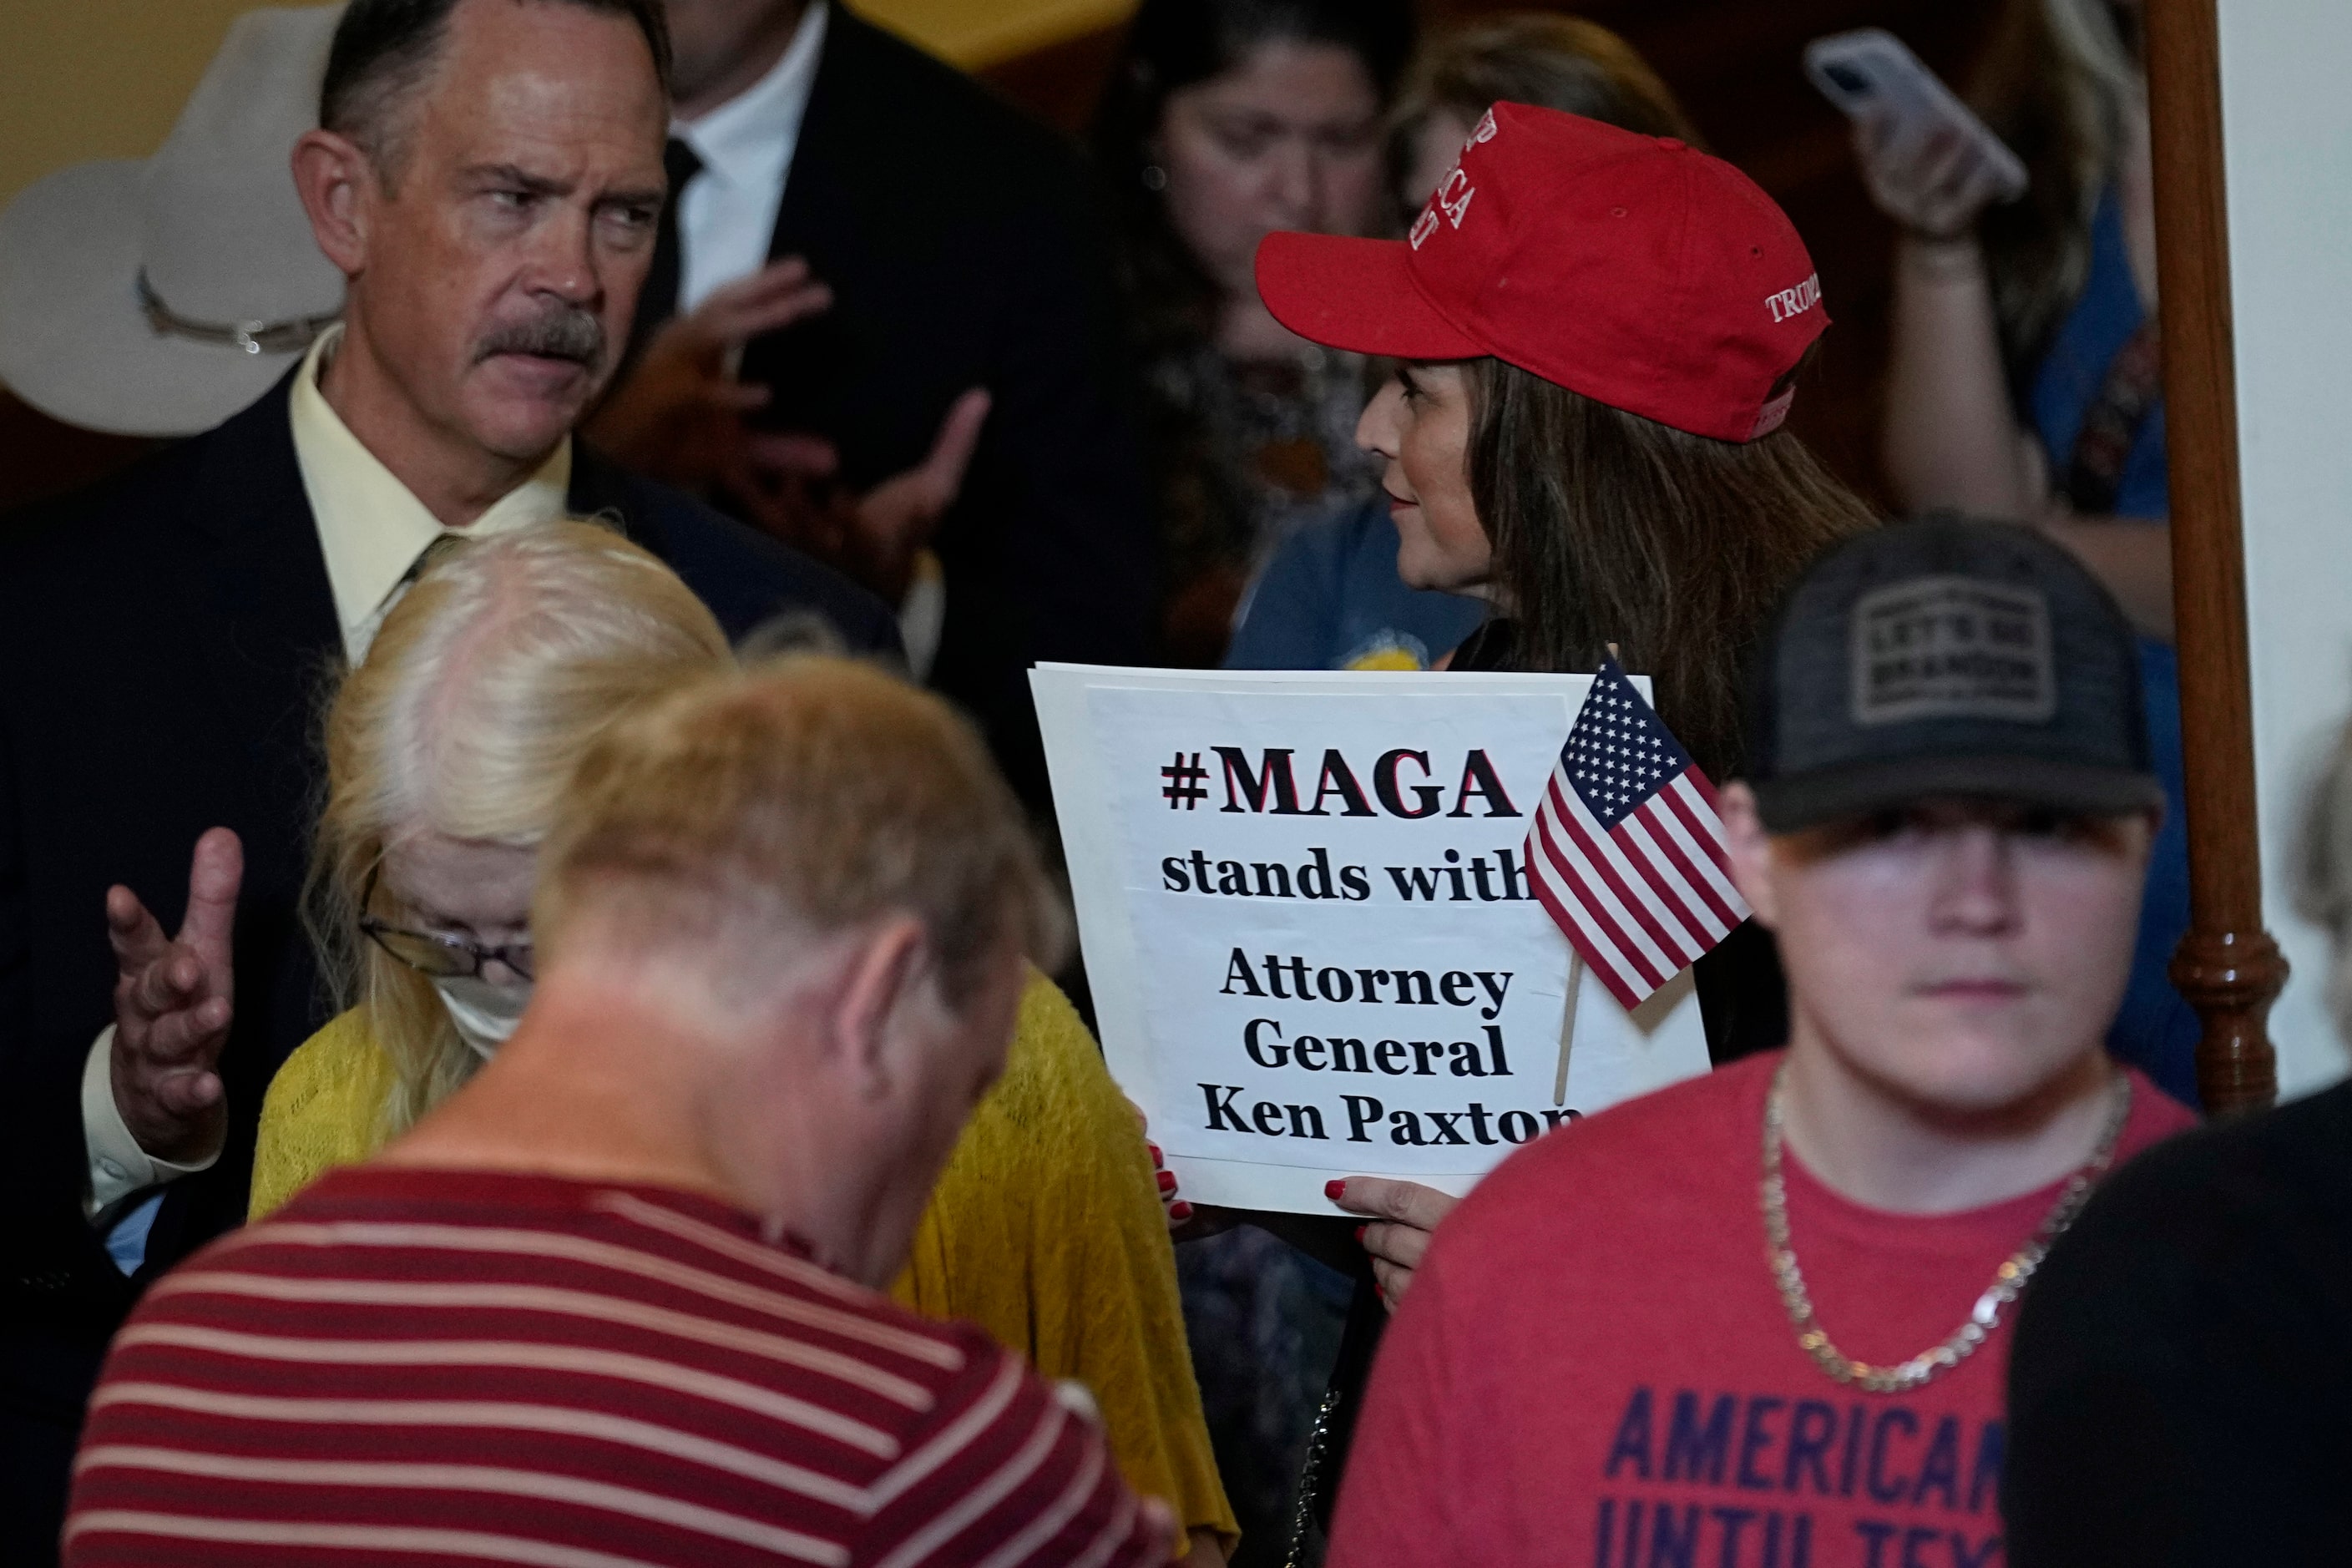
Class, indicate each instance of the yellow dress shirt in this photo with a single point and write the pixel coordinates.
(371, 529)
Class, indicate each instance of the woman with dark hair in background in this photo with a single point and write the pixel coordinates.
(2025, 379)
(1331, 598)
(1224, 121)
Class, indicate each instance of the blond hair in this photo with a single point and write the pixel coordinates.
(485, 685)
(754, 813)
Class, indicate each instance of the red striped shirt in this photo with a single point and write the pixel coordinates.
(410, 1367)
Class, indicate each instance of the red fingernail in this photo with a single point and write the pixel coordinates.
(1167, 1182)
(1335, 1189)
(1155, 1152)
(1359, 1232)
(1181, 1209)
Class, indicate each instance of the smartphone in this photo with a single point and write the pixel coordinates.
(1870, 72)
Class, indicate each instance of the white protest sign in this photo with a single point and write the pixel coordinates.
(1303, 905)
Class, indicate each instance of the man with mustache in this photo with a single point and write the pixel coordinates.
(488, 176)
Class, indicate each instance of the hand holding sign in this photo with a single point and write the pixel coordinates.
(1407, 1214)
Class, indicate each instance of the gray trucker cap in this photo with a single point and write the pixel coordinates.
(1946, 655)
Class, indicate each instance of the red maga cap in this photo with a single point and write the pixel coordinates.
(1633, 269)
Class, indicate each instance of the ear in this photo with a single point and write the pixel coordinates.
(1751, 851)
(337, 181)
(885, 970)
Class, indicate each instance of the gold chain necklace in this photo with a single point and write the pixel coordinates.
(2009, 1279)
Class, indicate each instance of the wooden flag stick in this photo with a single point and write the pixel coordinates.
(2227, 966)
(1567, 1026)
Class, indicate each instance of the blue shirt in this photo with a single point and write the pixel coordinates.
(2067, 381)
(2155, 1031)
(1329, 598)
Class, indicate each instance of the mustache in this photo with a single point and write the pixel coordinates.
(561, 332)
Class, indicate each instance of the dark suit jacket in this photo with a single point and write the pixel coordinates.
(166, 641)
(960, 243)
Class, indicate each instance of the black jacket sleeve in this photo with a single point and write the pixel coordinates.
(53, 1270)
(2180, 1390)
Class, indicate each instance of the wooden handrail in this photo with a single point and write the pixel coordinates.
(2227, 967)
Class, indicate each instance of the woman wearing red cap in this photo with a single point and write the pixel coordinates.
(1600, 333)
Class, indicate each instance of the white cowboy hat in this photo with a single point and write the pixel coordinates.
(157, 298)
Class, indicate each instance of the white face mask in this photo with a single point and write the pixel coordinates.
(485, 1013)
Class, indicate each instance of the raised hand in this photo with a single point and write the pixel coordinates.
(678, 413)
(898, 516)
(1405, 1213)
(874, 537)
(1934, 184)
(173, 998)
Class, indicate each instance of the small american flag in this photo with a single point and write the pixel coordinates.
(1627, 852)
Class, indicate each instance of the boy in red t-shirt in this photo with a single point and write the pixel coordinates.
(1759, 1319)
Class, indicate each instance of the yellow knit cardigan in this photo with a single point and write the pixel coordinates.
(1045, 1230)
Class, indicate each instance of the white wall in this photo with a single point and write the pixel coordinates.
(2286, 87)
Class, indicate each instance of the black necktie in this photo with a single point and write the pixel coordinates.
(657, 301)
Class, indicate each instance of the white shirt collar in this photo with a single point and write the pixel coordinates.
(748, 141)
(371, 528)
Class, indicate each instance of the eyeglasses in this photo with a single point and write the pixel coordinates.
(441, 955)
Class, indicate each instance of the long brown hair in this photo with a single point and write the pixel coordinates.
(1607, 526)
(2055, 83)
